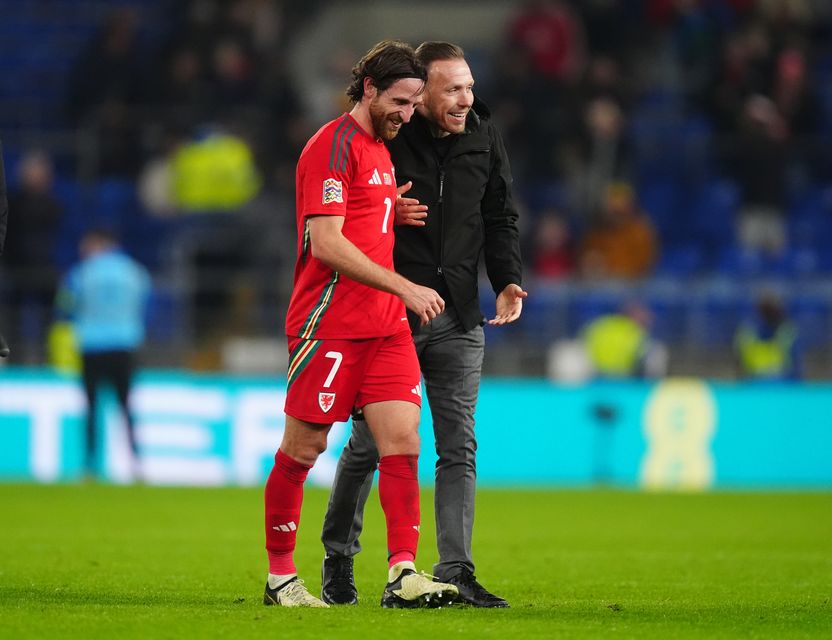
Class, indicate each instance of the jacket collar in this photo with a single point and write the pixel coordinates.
(479, 112)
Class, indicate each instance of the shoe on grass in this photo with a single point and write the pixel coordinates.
(292, 594)
(408, 589)
(337, 581)
(473, 593)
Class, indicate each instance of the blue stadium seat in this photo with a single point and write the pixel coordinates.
(809, 218)
(812, 314)
(670, 315)
(661, 200)
(733, 261)
(670, 146)
(713, 213)
(802, 261)
(74, 220)
(794, 262)
(114, 202)
(680, 261)
(592, 304)
(165, 315)
(545, 195)
(544, 315)
(715, 318)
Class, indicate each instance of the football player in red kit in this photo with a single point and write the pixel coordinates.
(349, 339)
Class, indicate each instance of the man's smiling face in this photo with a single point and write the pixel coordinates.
(449, 95)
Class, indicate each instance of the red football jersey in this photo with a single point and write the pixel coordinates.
(343, 171)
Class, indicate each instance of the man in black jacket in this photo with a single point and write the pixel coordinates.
(461, 207)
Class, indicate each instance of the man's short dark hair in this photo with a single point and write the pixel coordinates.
(388, 61)
(431, 51)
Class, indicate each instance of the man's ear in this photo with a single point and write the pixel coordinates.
(370, 89)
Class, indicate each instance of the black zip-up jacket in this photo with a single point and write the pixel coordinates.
(470, 212)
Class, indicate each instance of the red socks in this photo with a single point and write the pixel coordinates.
(284, 497)
(398, 491)
(398, 488)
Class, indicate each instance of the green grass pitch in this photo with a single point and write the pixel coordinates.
(93, 561)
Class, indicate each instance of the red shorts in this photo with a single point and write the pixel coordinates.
(329, 378)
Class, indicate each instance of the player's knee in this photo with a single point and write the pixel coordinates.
(319, 446)
(405, 442)
(306, 451)
(307, 455)
(315, 448)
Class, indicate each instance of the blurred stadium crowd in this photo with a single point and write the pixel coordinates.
(673, 153)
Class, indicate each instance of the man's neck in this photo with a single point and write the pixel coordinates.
(436, 132)
(361, 115)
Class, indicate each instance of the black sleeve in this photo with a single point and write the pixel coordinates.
(502, 235)
(4, 203)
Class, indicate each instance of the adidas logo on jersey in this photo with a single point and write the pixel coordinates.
(375, 179)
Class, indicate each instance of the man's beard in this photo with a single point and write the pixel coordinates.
(382, 123)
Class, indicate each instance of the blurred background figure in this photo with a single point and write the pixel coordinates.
(105, 85)
(611, 348)
(622, 243)
(33, 228)
(620, 345)
(761, 161)
(105, 297)
(545, 55)
(602, 153)
(551, 39)
(108, 67)
(553, 253)
(766, 345)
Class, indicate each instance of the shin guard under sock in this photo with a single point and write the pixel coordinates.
(398, 491)
(284, 497)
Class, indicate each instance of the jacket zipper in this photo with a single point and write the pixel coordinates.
(441, 204)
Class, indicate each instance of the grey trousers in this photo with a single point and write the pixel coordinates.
(451, 363)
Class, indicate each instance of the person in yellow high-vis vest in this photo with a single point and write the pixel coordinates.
(766, 346)
(619, 345)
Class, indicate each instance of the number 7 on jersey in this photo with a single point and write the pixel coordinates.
(337, 357)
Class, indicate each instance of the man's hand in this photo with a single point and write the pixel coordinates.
(408, 210)
(509, 305)
(423, 301)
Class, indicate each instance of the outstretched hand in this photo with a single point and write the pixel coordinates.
(408, 210)
(509, 305)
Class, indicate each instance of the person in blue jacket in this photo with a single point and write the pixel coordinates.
(105, 297)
